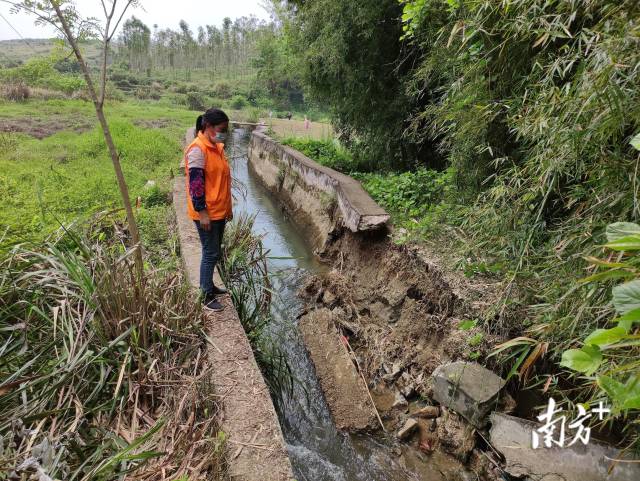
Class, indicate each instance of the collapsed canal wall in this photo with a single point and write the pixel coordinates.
(399, 310)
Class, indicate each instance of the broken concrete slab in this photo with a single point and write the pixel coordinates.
(344, 390)
(410, 427)
(468, 388)
(592, 462)
(427, 412)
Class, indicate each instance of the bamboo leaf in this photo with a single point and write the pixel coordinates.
(628, 243)
(620, 230)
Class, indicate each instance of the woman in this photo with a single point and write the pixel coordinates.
(209, 199)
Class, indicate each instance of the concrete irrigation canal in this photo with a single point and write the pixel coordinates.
(337, 281)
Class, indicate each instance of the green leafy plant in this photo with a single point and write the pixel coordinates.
(325, 152)
(611, 354)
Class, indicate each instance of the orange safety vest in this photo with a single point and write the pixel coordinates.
(217, 179)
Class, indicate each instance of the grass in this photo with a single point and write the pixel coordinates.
(244, 271)
(101, 373)
(293, 128)
(107, 369)
(68, 175)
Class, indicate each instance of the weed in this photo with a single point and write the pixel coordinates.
(89, 354)
(17, 92)
(244, 271)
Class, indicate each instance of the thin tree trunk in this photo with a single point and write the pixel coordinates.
(122, 184)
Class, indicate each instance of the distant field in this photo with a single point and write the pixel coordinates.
(295, 128)
(23, 50)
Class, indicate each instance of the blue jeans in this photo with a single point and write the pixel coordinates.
(211, 241)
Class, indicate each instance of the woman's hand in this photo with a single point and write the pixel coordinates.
(205, 222)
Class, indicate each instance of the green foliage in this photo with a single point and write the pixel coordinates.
(40, 72)
(196, 101)
(277, 72)
(325, 152)
(245, 274)
(419, 201)
(612, 354)
(348, 61)
(62, 305)
(238, 102)
(69, 175)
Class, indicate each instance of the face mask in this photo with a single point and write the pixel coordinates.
(220, 137)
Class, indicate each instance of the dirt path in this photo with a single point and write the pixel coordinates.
(255, 445)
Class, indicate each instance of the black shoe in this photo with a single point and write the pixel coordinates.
(212, 304)
(219, 291)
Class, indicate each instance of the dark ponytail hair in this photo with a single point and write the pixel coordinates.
(211, 117)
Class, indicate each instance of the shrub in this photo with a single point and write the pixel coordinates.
(238, 102)
(196, 101)
(47, 94)
(222, 90)
(64, 83)
(325, 152)
(253, 115)
(62, 306)
(17, 92)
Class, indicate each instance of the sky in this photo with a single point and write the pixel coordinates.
(166, 13)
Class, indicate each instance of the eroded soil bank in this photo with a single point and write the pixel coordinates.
(400, 314)
(400, 320)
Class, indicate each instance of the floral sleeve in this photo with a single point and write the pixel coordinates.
(195, 162)
(196, 188)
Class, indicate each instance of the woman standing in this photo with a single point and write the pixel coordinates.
(209, 199)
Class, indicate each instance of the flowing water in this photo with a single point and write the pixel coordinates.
(318, 452)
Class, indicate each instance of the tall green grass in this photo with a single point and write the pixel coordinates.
(245, 273)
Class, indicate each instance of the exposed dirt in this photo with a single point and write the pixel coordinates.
(41, 128)
(398, 309)
(402, 313)
(155, 123)
(296, 128)
(343, 387)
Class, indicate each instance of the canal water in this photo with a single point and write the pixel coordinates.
(318, 451)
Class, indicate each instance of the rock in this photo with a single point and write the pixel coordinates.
(427, 412)
(512, 437)
(467, 388)
(410, 427)
(408, 391)
(392, 372)
(455, 435)
(399, 401)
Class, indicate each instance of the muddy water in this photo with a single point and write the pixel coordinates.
(318, 452)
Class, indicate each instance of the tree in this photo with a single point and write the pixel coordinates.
(348, 58)
(62, 15)
(136, 38)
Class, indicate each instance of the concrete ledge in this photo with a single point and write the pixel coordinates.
(358, 210)
(256, 449)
